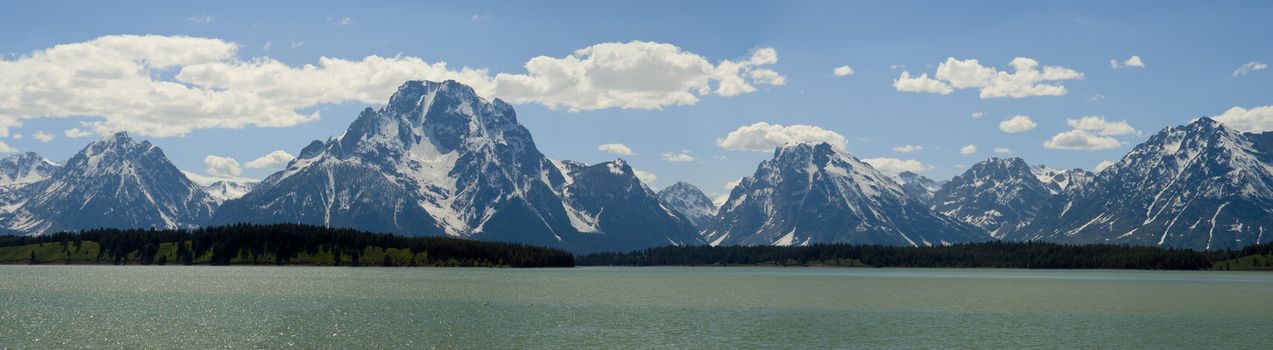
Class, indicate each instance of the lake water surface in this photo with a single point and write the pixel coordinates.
(610, 307)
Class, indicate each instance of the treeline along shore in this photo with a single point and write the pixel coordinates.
(278, 244)
(1027, 255)
(294, 244)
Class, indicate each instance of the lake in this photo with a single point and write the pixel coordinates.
(625, 307)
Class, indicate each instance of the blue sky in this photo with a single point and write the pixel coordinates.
(1189, 50)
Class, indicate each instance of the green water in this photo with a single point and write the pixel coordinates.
(305, 307)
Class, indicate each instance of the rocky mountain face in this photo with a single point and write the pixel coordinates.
(1201, 185)
(1062, 181)
(439, 160)
(816, 193)
(25, 168)
(919, 187)
(689, 201)
(113, 182)
(1000, 195)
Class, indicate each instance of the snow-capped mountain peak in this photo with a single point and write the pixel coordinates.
(817, 193)
(688, 200)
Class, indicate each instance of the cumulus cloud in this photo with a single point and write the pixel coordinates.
(615, 148)
(1026, 79)
(764, 137)
(1256, 119)
(683, 156)
(977, 115)
(646, 177)
(272, 160)
(636, 74)
(842, 71)
(1249, 67)
(908, 148)
(1133, 62)
(5, 148)
(921, 83)
(1102, 165)
(969, 149)
(1017, 123)
(1003, 150)
(729, 185)
(1100, 126)
(222, 166)
(1090, 133)
(124, 81)
(894, 166)
(76, 133)
(43, 136)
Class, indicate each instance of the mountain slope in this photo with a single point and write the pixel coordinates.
(113, 182)
(25, 168)
(919, 187)
(819, 194)
(1201, 186)
(439, 160)
(1000, 195)
(689, 201)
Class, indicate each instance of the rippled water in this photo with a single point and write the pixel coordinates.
(307, 307)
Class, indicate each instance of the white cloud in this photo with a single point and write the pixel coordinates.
(908, 148)
(921, 83)
(719, 199)
(616, 148)
(1256, 119)
(1133, 62)
(76, 133)
(1003, 150)
(729, 185)
(1090, 133)
(295, 44)
(481, 17)
(5, 148)
(842, 71)
(764, 137)
(43, 136)
(637, 74)
(646, 177)
(1081, 140)
(201, 19)
(1249, 67)
(1027, 79)
(222, 166)
(977, 115)
(272, 160)
(1100, 126)
(969, 149)
(122, 80)
(894, 166)
(1102, 165)
(1017, 123)
(683, 156)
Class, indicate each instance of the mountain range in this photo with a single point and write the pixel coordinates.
(439, 160)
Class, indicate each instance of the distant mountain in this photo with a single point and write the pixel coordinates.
(691, 202)
(1060, 181)
(1000, 195)
(919, 187)
(1201, 185)
(439, 160)
(113, 182)
(25, 168)
(816, 193)
(222, 189)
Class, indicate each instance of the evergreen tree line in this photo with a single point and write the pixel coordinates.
(1030, 255)
(283, 244)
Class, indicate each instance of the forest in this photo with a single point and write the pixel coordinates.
(1028, 255)
(277, 244)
